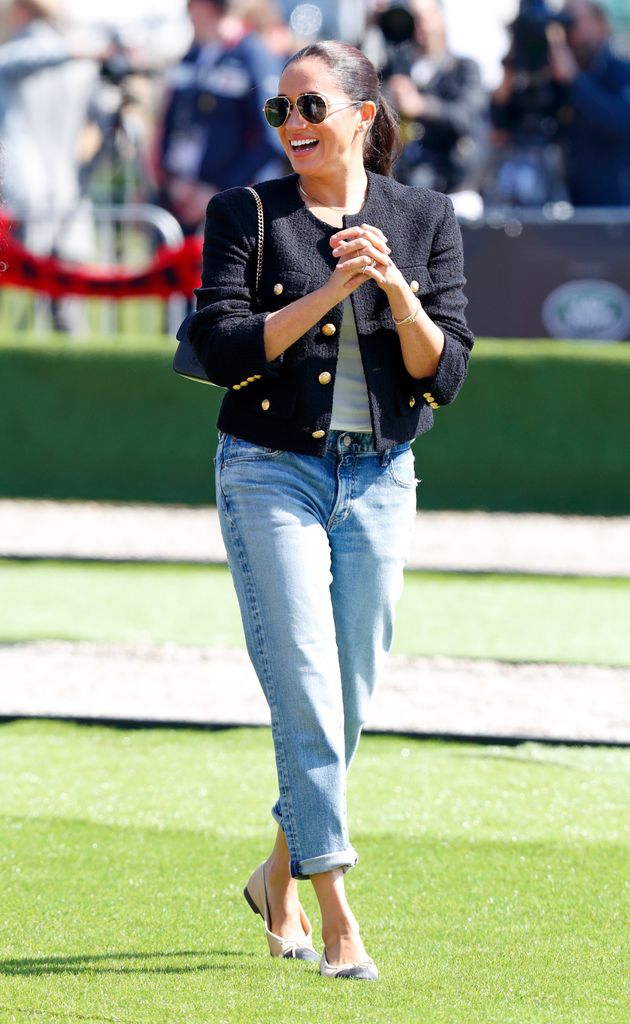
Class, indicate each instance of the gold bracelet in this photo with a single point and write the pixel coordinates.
(408, 319)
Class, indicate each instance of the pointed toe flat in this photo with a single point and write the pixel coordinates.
(365, 971)
(255, 892)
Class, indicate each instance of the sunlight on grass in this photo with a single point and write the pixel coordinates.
(490, 886)
(515, 618)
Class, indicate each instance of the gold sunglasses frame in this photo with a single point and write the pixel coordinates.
(330, 108)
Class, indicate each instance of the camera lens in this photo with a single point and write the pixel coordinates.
(397, 24)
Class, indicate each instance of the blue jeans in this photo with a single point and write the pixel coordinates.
(316, 548)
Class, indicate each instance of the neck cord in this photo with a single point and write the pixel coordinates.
(327, 206)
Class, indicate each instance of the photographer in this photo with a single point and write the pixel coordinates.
(597, 88)
(439, 98)
(567, 87)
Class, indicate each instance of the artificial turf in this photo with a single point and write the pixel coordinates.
(514, 618)
(492, 885)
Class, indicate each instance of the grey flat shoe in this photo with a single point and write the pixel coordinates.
(255, 892)
(365, 971)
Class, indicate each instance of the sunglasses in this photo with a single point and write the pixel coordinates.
(313, 108)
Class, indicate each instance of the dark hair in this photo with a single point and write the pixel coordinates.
(358, 78)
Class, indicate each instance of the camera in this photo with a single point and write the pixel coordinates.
(529, 170)
(397, 23)
(529, 51)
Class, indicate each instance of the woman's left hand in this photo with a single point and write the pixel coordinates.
(365, 247)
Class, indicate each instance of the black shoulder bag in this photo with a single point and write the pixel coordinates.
(185, 361)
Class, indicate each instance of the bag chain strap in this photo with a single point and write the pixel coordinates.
(261, 238)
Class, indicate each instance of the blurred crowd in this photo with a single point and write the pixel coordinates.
(88, 118)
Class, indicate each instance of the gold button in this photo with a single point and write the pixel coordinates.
(258, 376)
(412, 402)
(236, 387)
(264, 405)
(329, 330)
(318, 433)
(251, 379)
(428, 396)
(325, 377)
(278, 289)
(415, 287)
(434, 405)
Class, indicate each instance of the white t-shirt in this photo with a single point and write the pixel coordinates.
(351, 409)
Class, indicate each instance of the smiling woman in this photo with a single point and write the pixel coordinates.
(332, 368)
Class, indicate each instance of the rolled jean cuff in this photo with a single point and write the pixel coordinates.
(303, 869)
(345, 859)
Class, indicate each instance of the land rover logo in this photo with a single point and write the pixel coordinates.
(588, 309)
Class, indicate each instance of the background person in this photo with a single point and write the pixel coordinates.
(266, 19)
(331, 371)
(212, 134)
(46, 88)
(578, 105)
(440, 100)
(597, 91)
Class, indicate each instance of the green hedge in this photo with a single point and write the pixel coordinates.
(539, 426)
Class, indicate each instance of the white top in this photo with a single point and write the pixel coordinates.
(351, 409)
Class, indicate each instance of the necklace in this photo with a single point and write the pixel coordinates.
(327, 206)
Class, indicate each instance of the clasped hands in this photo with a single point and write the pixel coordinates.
(362, 253)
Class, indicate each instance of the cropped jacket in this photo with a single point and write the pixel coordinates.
(286, 403)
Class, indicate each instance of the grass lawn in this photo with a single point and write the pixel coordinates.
(492, 887)
(516, 618)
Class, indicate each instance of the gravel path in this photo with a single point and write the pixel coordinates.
(442, 696)
(443, 541)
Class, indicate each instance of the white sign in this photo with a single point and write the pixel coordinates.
(588, 309)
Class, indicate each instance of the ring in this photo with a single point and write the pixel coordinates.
(369, 266)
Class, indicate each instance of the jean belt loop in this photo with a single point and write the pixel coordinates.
(386, 457)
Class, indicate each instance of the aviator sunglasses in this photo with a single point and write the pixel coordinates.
(313, 108)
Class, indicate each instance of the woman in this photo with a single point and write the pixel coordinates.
(315, 474)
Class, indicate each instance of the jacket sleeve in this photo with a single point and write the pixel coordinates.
(227, 331)
(607, 112)
(461, 112)
(445, 304)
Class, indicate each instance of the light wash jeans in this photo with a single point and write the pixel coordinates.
(316, 548)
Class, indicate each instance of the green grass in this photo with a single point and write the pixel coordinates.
(492, 886)
(506, 617)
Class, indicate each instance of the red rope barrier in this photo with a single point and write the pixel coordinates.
(170, 272)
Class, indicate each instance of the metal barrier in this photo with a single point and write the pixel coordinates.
(121, 236)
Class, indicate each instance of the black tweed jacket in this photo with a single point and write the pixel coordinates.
(287, 403)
